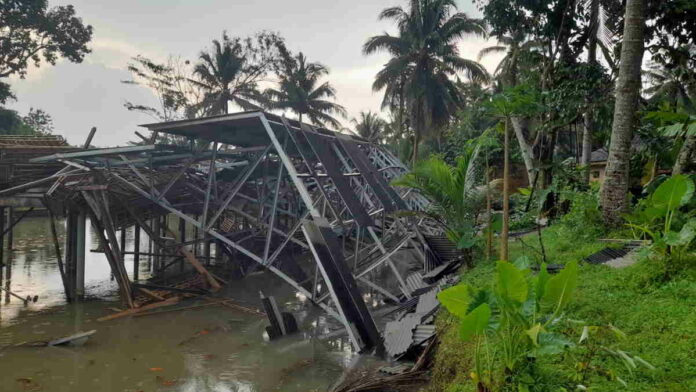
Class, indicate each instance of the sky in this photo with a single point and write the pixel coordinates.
(80, 96)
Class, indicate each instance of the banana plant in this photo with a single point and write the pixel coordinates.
(513, 321)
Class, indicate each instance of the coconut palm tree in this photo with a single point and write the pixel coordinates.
(425, 62)
(614, 191)
(370, 126)
(671, 85)
(300, 91)
(514, 49)
(226, 74)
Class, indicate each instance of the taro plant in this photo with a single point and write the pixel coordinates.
(512, 323)
(662, 219)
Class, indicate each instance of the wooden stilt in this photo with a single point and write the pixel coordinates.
(136, 253)
(155, 245)
(2, 235)
(102, 223)
(80, 243)
(10, 231)
(59, 255)
(122, 243)
(182, 236)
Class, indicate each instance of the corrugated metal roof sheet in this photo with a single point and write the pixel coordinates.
(398, 335)
(414, 282)
(427, 303)
(422, 333)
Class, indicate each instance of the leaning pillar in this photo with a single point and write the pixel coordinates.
(2, 236)
(81, 232)
(136, 252)
(10, 232)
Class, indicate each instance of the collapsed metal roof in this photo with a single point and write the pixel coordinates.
(257, 185)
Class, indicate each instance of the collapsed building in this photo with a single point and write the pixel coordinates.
(258, 189)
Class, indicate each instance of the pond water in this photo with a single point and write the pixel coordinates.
(208, 349)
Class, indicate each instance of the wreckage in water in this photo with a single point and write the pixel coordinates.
(259, 188)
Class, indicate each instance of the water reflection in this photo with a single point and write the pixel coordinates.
(208, 349)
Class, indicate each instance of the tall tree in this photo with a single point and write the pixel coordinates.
(231, 70)
(40, 121)
(425, 60)
(598, 36)
(300, 90)
(370, 126)
(170, 82)
(514, 49)
(614, 200)
(31, 32)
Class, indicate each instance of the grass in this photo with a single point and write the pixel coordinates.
(658, 319)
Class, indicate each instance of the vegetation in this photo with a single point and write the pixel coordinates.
(300, 92)
(625, 310)
(36, 122)
(31, 33)
(418, 79)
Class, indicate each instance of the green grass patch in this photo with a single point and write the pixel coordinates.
(658, 318)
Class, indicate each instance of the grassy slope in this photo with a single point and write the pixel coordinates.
(659, 319)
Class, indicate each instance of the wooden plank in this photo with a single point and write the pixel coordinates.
(151, 294)
(130, 312)
(200, 268)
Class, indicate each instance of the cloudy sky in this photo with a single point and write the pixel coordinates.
(80, 96)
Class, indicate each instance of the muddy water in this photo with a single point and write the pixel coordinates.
(207, 349)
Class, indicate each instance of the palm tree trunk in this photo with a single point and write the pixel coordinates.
(687, 154)
(506, 196)
(586, 146)
(588, 117)
(416, 141)
(614, 199)
(489, 217)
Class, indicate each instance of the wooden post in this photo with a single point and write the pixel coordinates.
(2, 235)
(136, 252)
(59, 256)
(70, 245)
(182, 237)
(155, 244)
(10, 233)
(81, 232)
(123, 240)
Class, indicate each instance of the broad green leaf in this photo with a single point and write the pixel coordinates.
(466, 242)
(542, 279)
(684, 236)
(551, 344)
(455, 299)
(475, 323)
(512, 285)
(522, 263)
(559, 289)
(533, 333)
(524, 191)
(674, 192)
